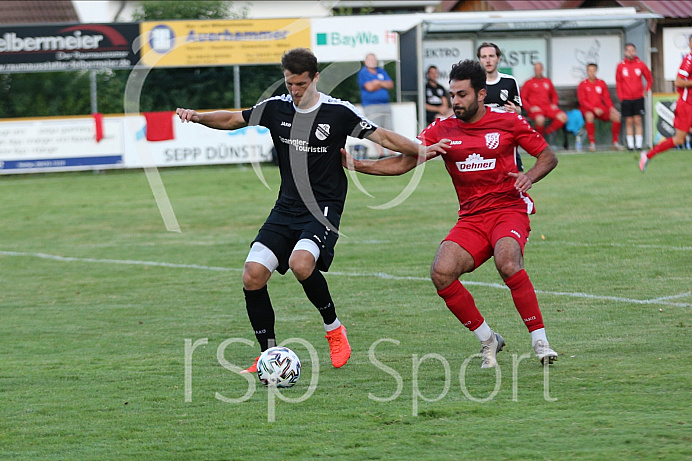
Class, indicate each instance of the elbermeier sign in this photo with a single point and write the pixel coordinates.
(72, 47)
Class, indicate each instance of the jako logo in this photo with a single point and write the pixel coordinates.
(475, 162)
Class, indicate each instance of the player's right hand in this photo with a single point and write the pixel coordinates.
(438, 148)
(187, 115)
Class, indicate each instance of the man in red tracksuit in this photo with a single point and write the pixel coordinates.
(595, 103)
(630, 90)
(540, 100)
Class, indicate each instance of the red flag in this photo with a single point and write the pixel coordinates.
(98, 120)
(159, 125)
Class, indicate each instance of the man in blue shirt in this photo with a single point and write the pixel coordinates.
(375, 84)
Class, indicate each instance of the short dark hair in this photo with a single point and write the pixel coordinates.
(298, 61)
(488, 45)
(591, 64)
(630, 44)
(469, 69)
(431, 67)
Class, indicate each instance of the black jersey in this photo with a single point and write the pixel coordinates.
(503, 89)
(433, 96)
(308, 144)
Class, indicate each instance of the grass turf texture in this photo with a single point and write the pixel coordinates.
(93, 348)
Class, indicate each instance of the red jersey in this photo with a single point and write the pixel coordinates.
(538, 92)
(628, 79)
(685, 73)
(481, 155)
(593, 94)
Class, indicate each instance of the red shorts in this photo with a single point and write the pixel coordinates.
(546, 110)
(604, 117)
(478, 234)
(683, 116)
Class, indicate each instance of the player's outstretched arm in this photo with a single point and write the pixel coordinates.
(546, 161)
(389, 166)
(397, 165)
(219, 119)
(398, 143)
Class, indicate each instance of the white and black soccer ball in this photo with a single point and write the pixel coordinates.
(278, 366)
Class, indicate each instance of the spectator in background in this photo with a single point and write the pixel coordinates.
(375, 84)
(540, 101)
(630, 90)
(502, 90)
(595, 103)
(436, 98)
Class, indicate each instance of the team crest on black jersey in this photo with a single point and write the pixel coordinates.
(492, 140)
(322, 131)
(504, 94)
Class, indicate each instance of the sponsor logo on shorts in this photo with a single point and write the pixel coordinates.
(475, 162)
(288, 124)
(516, 233)
(455, 143)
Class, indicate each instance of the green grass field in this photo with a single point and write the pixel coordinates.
(98, 302)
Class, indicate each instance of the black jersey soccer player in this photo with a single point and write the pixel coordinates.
(308, 129)
(502, 90)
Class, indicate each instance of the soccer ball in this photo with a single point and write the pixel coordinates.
(278, 366)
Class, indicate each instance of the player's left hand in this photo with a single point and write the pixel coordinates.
(511, 107)
(522, 183)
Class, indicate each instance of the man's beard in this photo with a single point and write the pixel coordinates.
(468, 114)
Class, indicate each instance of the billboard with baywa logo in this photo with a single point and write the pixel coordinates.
(351, 38)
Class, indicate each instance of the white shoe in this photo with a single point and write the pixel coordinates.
(543, 351)
(489, 350)
(643, 161)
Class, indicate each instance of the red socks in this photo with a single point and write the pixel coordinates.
(665, 145)
(555, 125)
(462, 305)
(525, 301)
(591, 131)
(615, 131)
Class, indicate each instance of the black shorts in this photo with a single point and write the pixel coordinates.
(631, 107)
(283, 229)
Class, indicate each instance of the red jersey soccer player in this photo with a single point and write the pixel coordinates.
(628, 82)
(683, 111)
(595, 103)
(540, 100)
(494, 207)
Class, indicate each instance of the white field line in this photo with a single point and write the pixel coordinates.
(381, 275)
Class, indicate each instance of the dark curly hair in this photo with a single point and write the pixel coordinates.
(469, 69)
